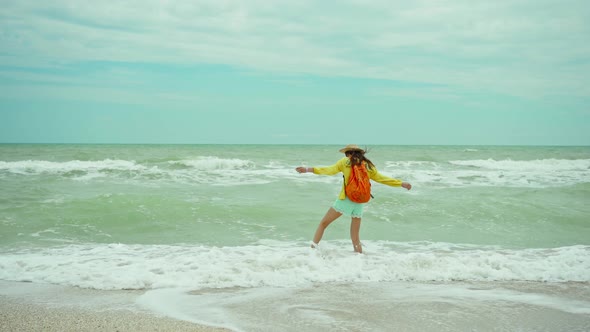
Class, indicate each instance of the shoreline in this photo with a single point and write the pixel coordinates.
(46, 307)
(407, 306)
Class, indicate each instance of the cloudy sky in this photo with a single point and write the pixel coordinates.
(304, 72)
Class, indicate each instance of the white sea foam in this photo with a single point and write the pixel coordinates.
(232, 171)
(287, 264)
(53, 167)
(545, 165)
(214, 163)
(373, 303)
(504, 173)
(202, 170)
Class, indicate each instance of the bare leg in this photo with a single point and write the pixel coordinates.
(330, 216)
(355, 226)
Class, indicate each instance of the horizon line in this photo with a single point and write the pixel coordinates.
(294, 144)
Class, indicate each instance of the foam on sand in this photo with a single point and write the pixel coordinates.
(404, 306)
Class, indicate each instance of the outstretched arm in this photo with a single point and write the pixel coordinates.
(327, 170)
(378, 177)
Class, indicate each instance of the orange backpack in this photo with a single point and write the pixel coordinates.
(358, 188)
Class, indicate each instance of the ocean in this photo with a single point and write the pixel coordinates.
(489, 238)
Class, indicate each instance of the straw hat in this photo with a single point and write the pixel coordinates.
(351, 147)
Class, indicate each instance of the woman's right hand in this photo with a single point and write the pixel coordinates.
(406, 185)
(301, 169)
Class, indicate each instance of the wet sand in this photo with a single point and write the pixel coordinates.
(18, 315)
(402, 306)
(42, 307)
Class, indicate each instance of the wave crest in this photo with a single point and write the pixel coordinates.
(214, 163)
(288, 264)
(499, 173)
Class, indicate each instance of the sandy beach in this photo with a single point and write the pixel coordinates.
(43, 307)
(18, 315)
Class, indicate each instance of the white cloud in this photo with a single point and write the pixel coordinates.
(525, 48)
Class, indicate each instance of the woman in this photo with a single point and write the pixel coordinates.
(353, 156)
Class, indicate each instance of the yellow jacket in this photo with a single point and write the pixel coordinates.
(343, 166)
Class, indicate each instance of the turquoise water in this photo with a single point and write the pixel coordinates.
(225, 230)
(136, 205)
(523, 197)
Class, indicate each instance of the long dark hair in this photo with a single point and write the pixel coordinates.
(357, 157)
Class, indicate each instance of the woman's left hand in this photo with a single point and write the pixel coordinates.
(406, 185)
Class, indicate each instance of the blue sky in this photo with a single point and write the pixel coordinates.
(295, 72)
